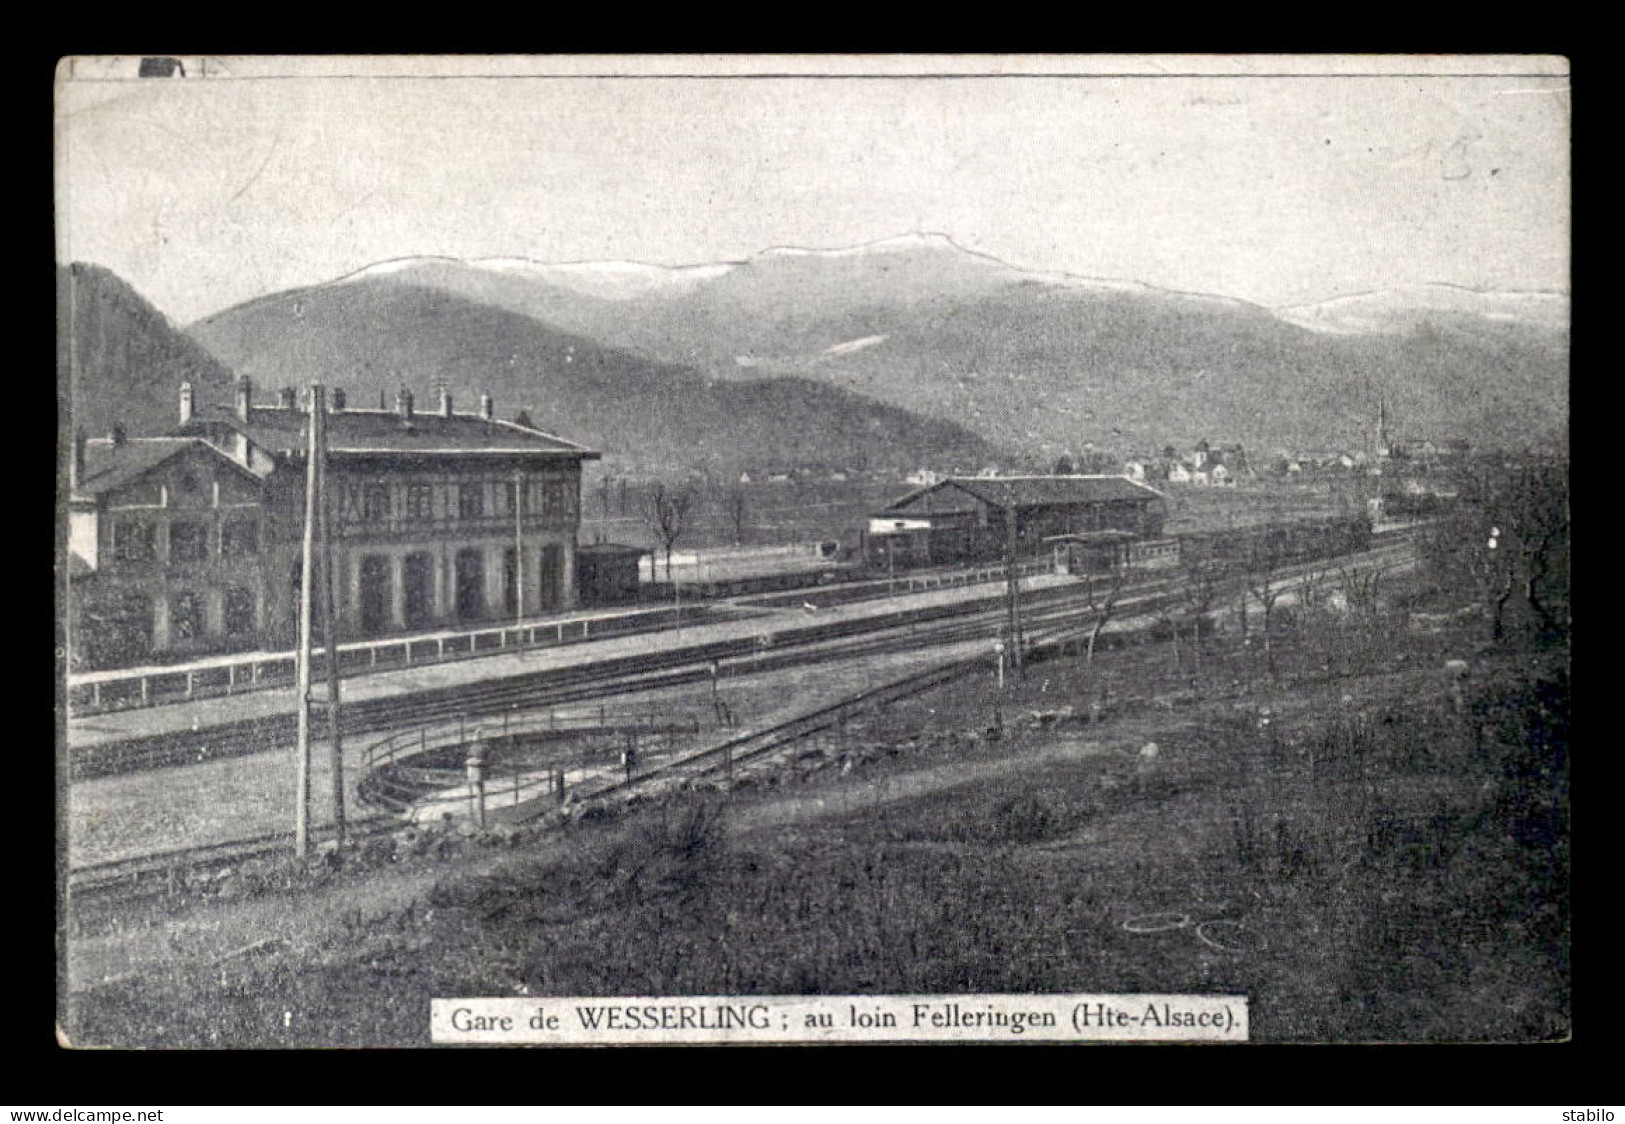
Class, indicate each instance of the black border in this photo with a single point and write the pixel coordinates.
(45, 1075)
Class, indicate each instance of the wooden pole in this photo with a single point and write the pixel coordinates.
(519, 546)
(301, 797)
(1015, 591)
(330, 616)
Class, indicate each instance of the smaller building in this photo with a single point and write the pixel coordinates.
(164, 536)
(607, 573)
(969, 519)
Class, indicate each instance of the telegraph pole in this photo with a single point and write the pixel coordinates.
(330, 614)
(1014, 582)
(518, 546)
(301, 796)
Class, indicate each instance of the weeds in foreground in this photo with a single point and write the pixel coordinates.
(1400, 873)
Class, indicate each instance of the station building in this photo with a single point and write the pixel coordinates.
(968, 519)
(164, 541)
(191, 543)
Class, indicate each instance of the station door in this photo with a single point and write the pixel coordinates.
(418, 578)
(376, 594)
(550, 587)
(470, 581)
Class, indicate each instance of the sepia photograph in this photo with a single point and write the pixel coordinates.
(769, 549)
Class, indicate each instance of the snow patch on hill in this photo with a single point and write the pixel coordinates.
(612, 280)
(850, 346)
(1401, 310)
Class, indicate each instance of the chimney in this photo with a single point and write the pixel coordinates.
(485, 407)
(76, 468)
(245, 397)
(403, 403)
(445, 403)
(188, 402)
(338, 400)
(116, 434)
(287, 398)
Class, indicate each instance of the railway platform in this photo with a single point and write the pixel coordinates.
(761, 625)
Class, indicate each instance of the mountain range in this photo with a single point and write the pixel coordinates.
(120, 360)
(909, 351)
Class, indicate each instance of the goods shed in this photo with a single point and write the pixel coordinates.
(970, 519)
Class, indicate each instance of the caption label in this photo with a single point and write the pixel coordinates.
(845, 1018)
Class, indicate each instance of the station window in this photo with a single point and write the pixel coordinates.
(375, 503)
(420, 502)
(239, 612)
(470, 501)
(188, 541)
(240, 538)
(133, 541)
(185, 617)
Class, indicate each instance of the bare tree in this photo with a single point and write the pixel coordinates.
(1314, 588)
(1508, 536)
(665, 512)
(1200, 591)
(1361, 586)
(1103, 603)
(737, 506)
(1263, 563)
(1167, 613)
(1536, 517)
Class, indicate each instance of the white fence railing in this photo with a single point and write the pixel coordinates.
(100, 692)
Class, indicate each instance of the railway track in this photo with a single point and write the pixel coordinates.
(553, 687)
(1048, 638)
(1048, 627)
(156, 874)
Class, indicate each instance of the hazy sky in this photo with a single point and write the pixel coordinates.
(206, 191)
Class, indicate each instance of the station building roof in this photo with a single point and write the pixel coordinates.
(282, 430)
(109, 464)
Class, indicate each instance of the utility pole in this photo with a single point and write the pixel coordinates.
(1014, 582)
(301, 797)
(518, 546)
(330, 615)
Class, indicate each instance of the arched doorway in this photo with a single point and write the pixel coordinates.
(470, 583)
(550, 585)
(418, 578)
(375, 594)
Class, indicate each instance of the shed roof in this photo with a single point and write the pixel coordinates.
(1038, 491)
(1091, 537)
